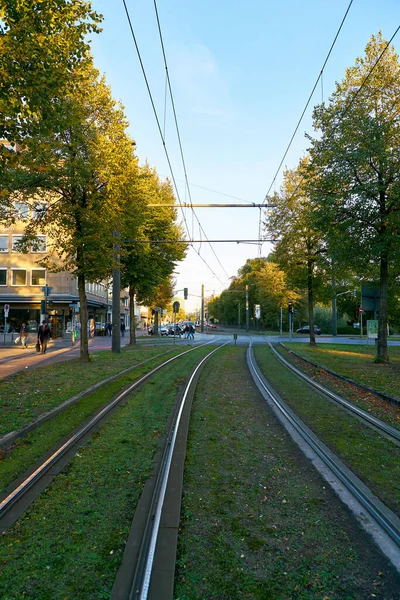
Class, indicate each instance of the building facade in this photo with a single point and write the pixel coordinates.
(33, 293)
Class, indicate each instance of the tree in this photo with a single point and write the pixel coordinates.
(266, 286)
(85, 172)
(300, 247)
(41, 43)
(147, 264)
(354, 173)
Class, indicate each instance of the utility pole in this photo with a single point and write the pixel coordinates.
(202, 309)
(116, 300)
(247, 308)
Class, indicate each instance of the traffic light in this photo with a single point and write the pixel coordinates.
(43, 307)
(185, 293)
(290, 307)
(355, 293)
(70, 311)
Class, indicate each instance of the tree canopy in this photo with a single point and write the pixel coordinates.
(354, 172)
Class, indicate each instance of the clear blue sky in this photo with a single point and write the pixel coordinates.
(241, 73)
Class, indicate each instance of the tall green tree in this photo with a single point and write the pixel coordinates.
(354, 173)
(41, 43)
(148, 264)
(84, 172)
(300, 248)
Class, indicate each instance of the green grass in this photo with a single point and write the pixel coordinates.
(28, 394)
(367, 401)
(27, 450)
(70, 542)
(356, 362)
(372, 457)
(257, 520)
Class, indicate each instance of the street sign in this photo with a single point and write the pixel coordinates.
(361, 310)
(372, 329)
(6, 309)
(46, 289)
(257, 311)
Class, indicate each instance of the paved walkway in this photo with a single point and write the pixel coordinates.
(16, 358)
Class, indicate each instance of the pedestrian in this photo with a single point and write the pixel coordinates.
(43, 336)
(122, 329)
(23, 334)
(191, 331)
(105, 328)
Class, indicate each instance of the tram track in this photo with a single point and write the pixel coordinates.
(382, 427)
(384, 523)
(25, 489)
(147, 571)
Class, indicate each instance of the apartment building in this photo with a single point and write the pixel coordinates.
(23, 286)
(32, 292)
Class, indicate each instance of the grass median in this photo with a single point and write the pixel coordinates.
(27, 394)
(375, 405)
(70, 542)
(371, 456)
(27, 450)
(356, 362)
(257, 520)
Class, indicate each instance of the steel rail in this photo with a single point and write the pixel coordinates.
(378, 512)
(142, 578)
(25, 485)
(391, 432)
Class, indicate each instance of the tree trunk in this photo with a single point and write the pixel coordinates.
(132, 332)
(310, 293)
(382, 350)
(84, 347)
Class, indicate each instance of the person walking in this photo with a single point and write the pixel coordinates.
(191, 332)
(43, 336)
(23, 334)
(122, 329)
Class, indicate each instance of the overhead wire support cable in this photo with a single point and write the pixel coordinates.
(155, 113)
(366, 79)
(309, 98)
(302, 114)
(179, 137)
(346, 109)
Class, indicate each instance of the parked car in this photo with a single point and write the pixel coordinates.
(306, 329)
(164, 330)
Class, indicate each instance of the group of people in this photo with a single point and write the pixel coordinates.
(108, 329)
(43, 336)
(189, 331)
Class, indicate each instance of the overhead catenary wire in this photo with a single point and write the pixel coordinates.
(309, 99)
(352, 100)
(304, 110)
(179, 136)
(155, 113)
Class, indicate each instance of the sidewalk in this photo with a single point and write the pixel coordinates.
(14, 358)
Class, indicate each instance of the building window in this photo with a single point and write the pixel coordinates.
(21, 210)
(3, 243)
(38, 277)
(40, 244)
(39, 210)
(18, 276)
(15, 240)
(3, 276)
